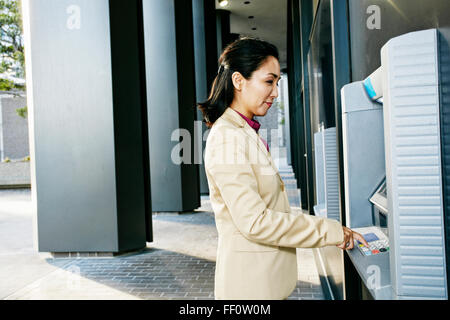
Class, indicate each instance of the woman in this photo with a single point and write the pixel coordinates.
(258, 232)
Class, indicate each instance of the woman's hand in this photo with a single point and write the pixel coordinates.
(349, 236)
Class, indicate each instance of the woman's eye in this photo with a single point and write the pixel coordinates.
(271, 82)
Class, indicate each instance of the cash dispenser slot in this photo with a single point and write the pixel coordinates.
(380, 206)
(379, 199)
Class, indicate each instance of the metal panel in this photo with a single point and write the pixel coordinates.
(331, 174)
(319, 208)
(363, 153)
(326, 174)
(413, 165)
(444, 82)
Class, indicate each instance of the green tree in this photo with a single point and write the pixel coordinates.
(12, 61)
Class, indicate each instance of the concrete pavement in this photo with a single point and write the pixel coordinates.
(179, 264)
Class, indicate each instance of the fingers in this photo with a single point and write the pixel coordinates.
(341, 246)
(360, 238)
(350, 243)
(349, 237)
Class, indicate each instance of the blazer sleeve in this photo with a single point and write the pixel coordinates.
(238, 188)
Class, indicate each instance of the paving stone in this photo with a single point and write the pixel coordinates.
(166, 270)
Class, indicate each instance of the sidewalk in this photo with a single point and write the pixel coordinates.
(179, 264)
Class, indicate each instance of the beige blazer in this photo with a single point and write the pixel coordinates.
(257, 230)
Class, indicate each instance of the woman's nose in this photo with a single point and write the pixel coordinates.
(274, 92)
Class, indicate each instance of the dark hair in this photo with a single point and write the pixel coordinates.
(245, 56)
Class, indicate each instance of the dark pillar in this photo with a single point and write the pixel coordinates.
(205, 72)
(210, 42)
(85, 103)
(293, 134)
(297, 106)
(306, 20)
(224, 35)
(169, 53)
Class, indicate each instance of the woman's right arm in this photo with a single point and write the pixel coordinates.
(238, 187)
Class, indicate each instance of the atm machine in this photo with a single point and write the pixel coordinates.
(396, 151)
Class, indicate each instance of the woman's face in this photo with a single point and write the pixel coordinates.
(257, 94)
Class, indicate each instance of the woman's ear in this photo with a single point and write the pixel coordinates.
(237, 79)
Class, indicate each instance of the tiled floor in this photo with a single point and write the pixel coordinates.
(151, 274)
(179, 264)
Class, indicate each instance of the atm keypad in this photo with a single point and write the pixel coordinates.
(376, 245)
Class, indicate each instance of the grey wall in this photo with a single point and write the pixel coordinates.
(396, 18)
(13, 128)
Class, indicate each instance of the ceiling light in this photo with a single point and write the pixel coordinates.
(223, 3)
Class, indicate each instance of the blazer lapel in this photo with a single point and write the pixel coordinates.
(257, 139)
(233, 117)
